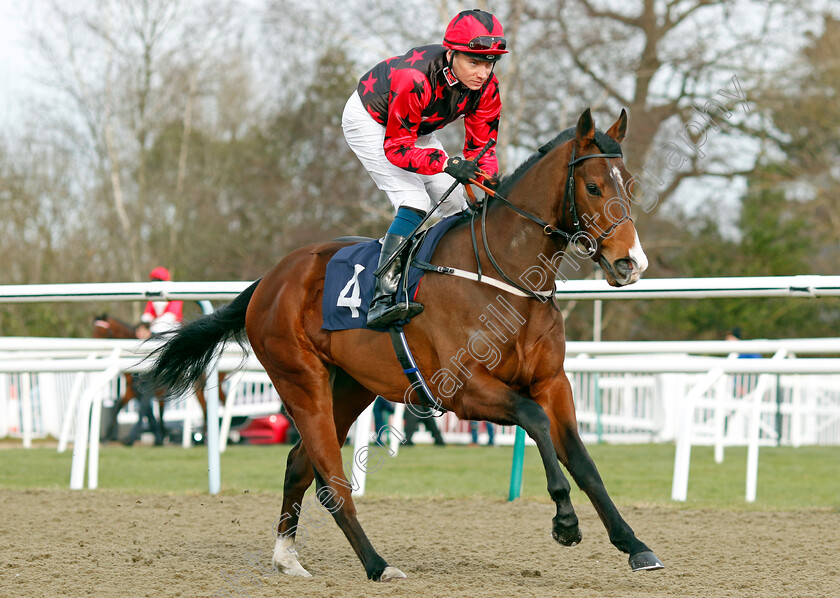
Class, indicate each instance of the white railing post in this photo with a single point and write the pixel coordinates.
(80, 439)
(761, 387)
(361, 442)
(93, 443)
(720, 416)
(796, 414)
(96, 421)
(682, 456)
(187, 431)
(48, 392)
(70, 411)
(26, 409)
(211, 396)
(83, 427)
(230, 401)
(4, 405)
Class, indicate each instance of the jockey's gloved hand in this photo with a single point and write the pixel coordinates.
(461, 169)
(491, 182)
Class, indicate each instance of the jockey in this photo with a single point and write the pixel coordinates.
(389, 123)
(162, 316)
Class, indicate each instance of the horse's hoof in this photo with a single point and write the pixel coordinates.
(569, 537)
(645, 561)
(285, 559)
(391, 574)
(295, 570)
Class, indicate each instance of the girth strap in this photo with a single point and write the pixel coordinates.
(412, 372)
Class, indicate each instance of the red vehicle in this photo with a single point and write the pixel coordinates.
(272, 429)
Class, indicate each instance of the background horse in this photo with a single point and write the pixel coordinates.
(496, 356)
(105, 326)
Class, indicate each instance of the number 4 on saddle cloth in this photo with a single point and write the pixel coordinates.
(349, 282)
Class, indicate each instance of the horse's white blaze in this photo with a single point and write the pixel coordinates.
(285, 558)
(617, 176)
(637, 254)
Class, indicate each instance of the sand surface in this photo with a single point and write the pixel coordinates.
(100, 543)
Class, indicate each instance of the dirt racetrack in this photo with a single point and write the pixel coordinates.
(62, 543)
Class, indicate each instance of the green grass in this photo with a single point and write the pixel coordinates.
(788, 478)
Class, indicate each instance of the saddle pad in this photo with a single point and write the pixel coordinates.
(349, 282)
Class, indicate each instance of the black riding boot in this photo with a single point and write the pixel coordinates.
(384, 310)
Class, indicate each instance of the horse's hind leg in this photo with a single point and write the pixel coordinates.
(323, 426)
(573, 454)
(299, 476)
(353, 399)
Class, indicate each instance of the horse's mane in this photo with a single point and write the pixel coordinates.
(605, 143)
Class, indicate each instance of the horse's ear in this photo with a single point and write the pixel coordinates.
(619, 129)
(585, 132)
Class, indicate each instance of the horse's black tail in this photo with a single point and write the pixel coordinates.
(184, 358)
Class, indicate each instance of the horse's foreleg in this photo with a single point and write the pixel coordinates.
(164, 433)
(573, 454)
(532, 418)
(112, 429)
(496, 402)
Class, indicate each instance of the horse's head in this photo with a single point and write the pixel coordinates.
(101, 327)
(596, 192)
(105, 326)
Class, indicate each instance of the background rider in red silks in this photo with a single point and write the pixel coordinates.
(162, 316)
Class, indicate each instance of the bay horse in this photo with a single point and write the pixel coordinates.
(573, 187)
(105, 326)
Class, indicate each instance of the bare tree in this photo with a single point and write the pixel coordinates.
(130, 68)
(685, 70)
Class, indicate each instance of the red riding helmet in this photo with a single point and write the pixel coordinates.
(476, 32)
(159, 273)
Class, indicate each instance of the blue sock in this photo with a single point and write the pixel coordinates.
(405, 222)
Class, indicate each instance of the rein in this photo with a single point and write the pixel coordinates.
(548, 229)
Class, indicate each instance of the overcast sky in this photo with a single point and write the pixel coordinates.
(12, 60)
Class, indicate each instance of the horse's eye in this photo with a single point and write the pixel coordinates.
(592, 189)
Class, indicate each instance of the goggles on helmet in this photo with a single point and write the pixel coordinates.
(487, 42)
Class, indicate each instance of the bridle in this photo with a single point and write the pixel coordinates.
(548, 229)
(569, 197)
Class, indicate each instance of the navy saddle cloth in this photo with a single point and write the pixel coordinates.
(348, 287)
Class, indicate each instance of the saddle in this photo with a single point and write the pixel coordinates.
(349, 281)
(348, 291)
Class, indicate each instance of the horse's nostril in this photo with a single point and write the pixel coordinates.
(625, 266)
